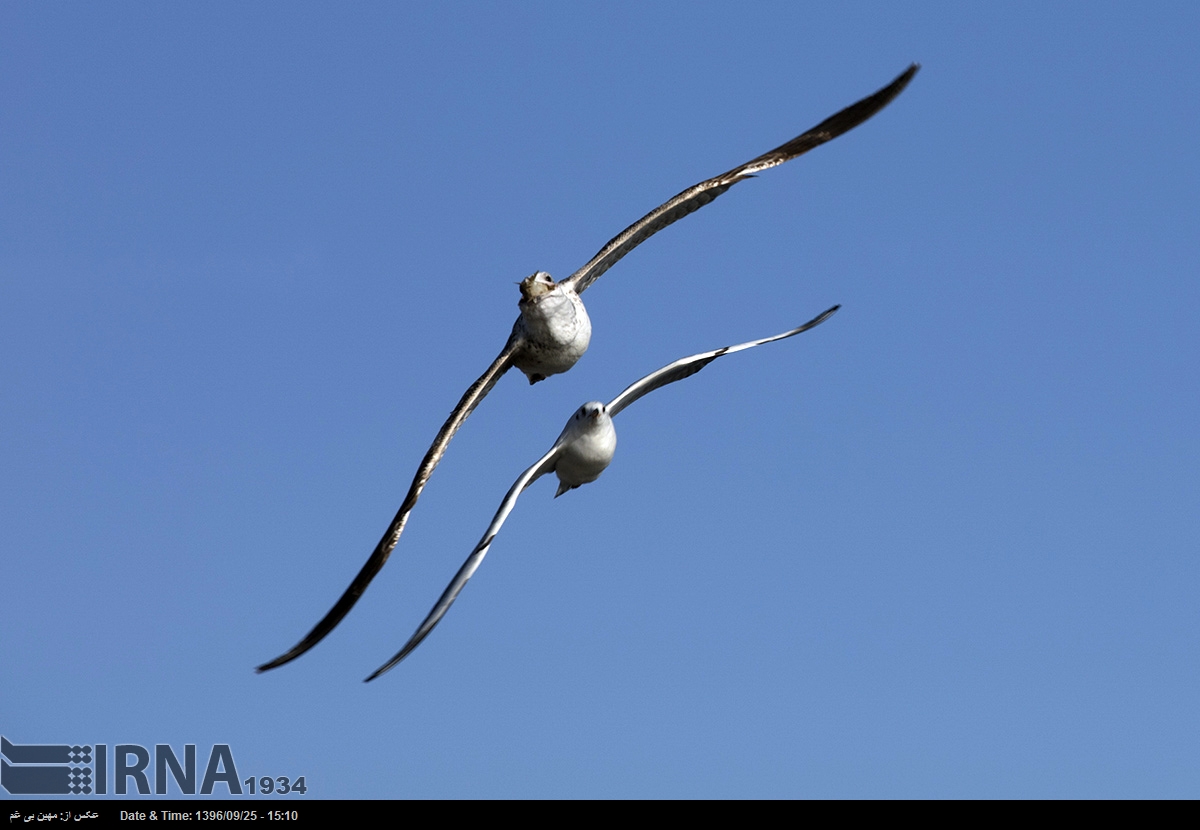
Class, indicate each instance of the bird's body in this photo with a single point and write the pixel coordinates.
(588, 444)
(553, 330)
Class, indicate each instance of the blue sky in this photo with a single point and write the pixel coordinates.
(944, 545)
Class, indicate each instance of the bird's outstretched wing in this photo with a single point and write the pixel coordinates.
(699, 195)
(688, 366)
(383, 550)
(544, 465)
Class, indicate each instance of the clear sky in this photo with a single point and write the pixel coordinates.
(944, 545)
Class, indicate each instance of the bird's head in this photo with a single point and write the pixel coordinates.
(536, 285)
(589, 413)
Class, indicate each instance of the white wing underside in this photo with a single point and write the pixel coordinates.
(544, 465)
(688, 366)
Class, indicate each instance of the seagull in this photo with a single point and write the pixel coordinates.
(582, 452)
(553, 330)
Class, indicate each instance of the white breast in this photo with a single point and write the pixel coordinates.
(557, 332)
(588, 451)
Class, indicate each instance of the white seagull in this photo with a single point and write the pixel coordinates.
(582, 452)
(553, 330)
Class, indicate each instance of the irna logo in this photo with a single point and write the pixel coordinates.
(61, 769)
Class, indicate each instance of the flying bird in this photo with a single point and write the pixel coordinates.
(582, 452)
(553, 330)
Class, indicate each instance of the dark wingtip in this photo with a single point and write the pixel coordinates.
(276, 663)
(395, 661)
(825, 315)
(886, 95)
(904, 77)
(820, 318)
(381, 670)
(312, 638)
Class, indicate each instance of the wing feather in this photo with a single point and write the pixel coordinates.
(383, 550)
(687, 366)
(544, 465)
(699, 195)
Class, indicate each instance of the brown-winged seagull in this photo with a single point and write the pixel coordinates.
(553, 330)
(582, 452)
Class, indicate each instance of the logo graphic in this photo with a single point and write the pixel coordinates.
(47, 769)
(59, 769)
